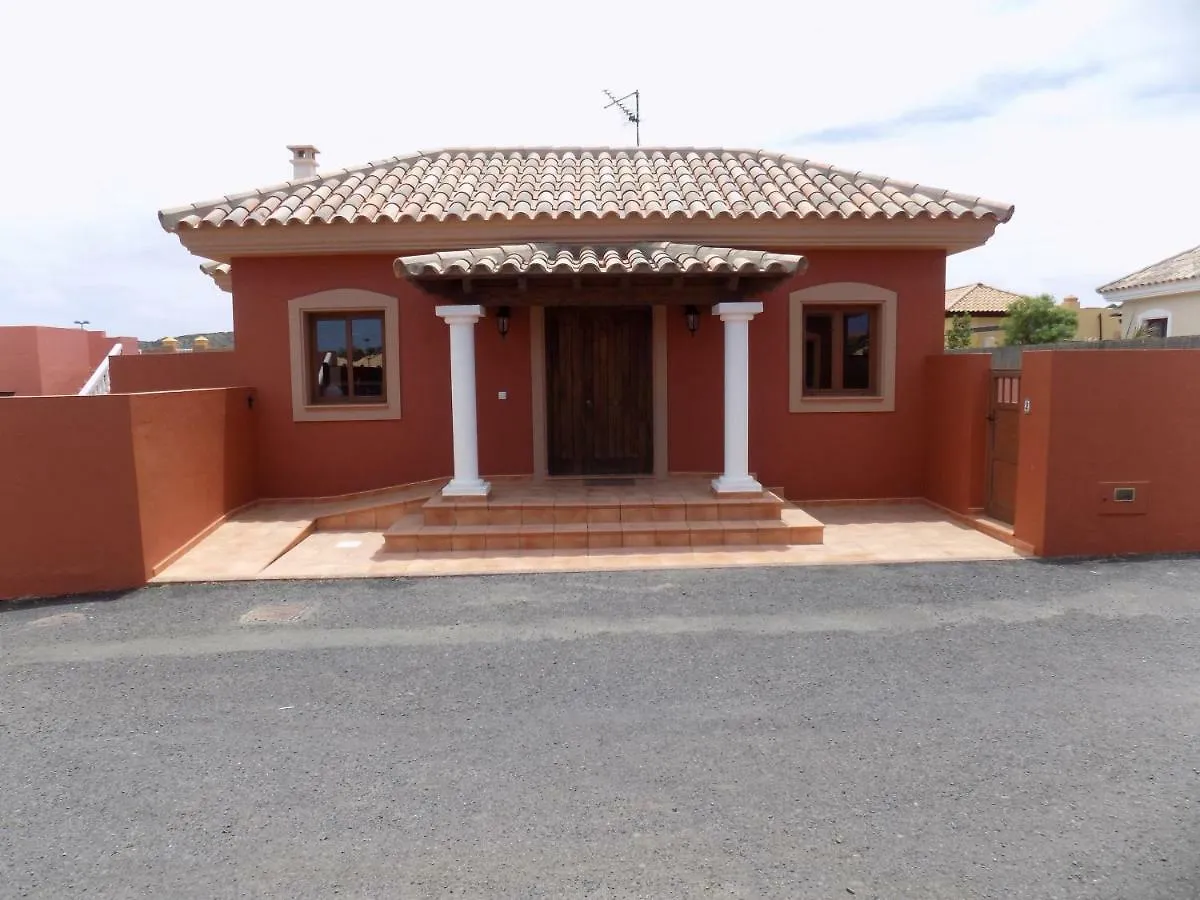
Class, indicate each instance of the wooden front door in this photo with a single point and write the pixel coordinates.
(1003, 429)
(599, 391)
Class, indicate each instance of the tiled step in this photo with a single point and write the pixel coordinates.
(446, 512)
(368, 517)
(412, 534)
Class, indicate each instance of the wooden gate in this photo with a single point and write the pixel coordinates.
(599, 401)
(1004, 412)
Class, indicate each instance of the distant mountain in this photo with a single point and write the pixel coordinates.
(217, 340)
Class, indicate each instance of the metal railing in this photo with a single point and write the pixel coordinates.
(99, 383)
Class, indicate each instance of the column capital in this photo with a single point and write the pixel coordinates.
(466, 314)
(737, 311)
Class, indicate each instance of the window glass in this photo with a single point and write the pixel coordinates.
(330, 368)
(818, 356)
(346, 358)
(838, 354)
(856, 366)
(367, 338)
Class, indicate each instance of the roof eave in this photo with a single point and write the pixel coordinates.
(785, 235)
(1146, 291)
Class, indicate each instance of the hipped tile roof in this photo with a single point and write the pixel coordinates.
(1180, 267)
(979, 298)
(650, 258)
(580, 183)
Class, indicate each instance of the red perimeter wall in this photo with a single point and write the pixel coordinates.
(100, 491)
(175, 371)
(1104, 418)
(956, 390)
(38, 360)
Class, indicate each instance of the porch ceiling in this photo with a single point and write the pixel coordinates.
(654, 258)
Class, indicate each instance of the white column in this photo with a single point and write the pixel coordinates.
(466, 481)
(736, 478)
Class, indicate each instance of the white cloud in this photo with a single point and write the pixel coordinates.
(128, 107)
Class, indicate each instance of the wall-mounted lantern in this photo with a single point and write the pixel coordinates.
(502, 315)
(691, 317)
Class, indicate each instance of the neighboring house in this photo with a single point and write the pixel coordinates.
(585, 312)
(988, 308)
(37, 360)
(1163, 298)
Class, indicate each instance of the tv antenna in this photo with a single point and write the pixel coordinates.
(635, 116)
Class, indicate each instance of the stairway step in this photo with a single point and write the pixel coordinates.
(444, 512)
(412, 534)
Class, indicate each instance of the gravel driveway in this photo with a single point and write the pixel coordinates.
(1004, 730)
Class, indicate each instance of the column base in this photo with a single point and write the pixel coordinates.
(736, 484)
(457, 487)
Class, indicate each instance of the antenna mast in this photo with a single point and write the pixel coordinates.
(635, 116)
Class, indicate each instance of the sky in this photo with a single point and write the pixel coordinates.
(1085, 114)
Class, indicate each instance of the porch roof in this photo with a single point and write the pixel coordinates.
(647, 258)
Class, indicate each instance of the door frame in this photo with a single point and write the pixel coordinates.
(658, 366)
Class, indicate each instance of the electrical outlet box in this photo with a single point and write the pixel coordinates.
(1123, 497)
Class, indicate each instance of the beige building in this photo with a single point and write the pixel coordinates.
(1094, 323)
(1163, 298)
(988, 308)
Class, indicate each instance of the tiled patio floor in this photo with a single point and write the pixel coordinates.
(868, 533)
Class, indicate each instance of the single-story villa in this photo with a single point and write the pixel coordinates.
(587, 312)
(1163, 299)
(988, 308)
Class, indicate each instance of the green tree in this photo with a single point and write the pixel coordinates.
(959, 335)
(1039, 320)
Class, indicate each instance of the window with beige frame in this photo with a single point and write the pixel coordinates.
(842, 348)
(344, 356)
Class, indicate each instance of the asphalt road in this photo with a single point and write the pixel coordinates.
(1002, 730)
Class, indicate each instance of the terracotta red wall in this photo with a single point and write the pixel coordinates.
(70, 496)
(175, 371)
(1034, 450)
(695, 392)
(38, 360)
(98, 490)
(99, 344)
(832, 455)
(814, 455)
(194, 461)
(65, 359)
(322, 458)
(956, 395)
(1123, 416)
(19, 367)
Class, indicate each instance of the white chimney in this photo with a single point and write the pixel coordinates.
(304, 161)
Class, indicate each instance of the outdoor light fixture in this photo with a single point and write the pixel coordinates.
(691, 316)
(502, 315)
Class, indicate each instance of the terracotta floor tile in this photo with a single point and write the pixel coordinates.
(253, 545)
(603, 514)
